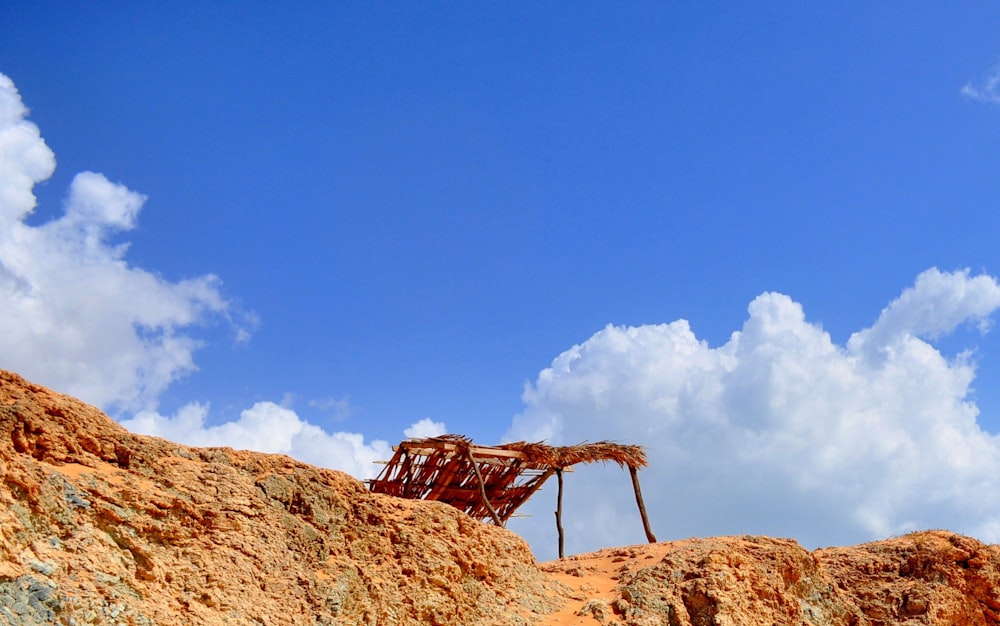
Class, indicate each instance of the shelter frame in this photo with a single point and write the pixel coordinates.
(492, 482)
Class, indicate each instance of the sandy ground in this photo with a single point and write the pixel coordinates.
(592, 578)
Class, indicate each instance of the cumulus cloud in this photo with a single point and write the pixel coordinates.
(270, 427)
(76, 315)
(425, 428)
(267, 427)
(79, 318)
(987, 90)
(779, 431)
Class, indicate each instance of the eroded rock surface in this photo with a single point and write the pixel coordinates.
(931, 577)
(100, 526)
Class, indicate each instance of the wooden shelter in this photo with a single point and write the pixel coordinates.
(491, 482)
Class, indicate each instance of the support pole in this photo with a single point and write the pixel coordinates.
(482, 488)
(642, 507)
(559, 527)
(408, 465)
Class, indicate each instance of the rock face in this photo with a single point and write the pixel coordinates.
(99, 526)
(931, 577)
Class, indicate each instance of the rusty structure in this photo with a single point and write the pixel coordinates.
(491, 482)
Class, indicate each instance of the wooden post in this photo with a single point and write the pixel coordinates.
(408, 465)
(482, 488)
(559, 527)
(642, 507)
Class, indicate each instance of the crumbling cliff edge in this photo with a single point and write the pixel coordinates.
(100, 526)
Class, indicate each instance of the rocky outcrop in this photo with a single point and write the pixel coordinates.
(100, 526)
(931, 577)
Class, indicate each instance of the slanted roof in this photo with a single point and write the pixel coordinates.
(487, 482)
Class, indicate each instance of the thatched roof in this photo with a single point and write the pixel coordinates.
(487, 482)
(565, 456)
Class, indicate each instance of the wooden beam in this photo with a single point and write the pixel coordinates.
(642, 507)
(482, 488)
(408, 467)
(428, 449)
(507, 454)
(559, 526)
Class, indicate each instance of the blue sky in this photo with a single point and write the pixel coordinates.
(412, 211)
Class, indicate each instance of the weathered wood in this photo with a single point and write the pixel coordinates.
(421, 448)
(559, 526)
(487, 482)
(482, 488)
(408, 467)
(642, 507)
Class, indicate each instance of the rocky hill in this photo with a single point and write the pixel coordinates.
(100, 526)
(104, 527)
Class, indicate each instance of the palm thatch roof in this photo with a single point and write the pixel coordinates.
(565, 456)
(488, 482)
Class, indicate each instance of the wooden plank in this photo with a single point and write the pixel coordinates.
(510, 454)
(422, 447)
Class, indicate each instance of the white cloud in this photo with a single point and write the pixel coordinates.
(24, 157)
(987, 90)
(267, 427)
(76, 315)
(778, 431)
(425, 428)
(936, 304)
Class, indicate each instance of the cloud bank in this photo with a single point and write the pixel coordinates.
(779, 431)
(75, 314)
(267, 427)
(77, 317)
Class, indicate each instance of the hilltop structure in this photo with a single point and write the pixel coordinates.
(491, 482)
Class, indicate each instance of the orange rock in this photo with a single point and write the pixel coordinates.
(102, 526)
(931, 577)
(107, 527)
